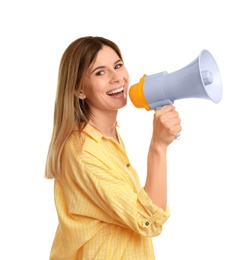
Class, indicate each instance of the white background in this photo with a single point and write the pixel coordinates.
(206, 169)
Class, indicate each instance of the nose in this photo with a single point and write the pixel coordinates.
(115, 76)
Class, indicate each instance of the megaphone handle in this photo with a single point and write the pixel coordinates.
(177, 137)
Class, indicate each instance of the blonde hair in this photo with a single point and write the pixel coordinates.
(69, 110)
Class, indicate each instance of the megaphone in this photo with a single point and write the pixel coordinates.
(199, 79)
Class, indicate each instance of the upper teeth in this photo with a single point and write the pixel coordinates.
(115, 91)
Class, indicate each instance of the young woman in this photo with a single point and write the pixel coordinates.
(103, 211)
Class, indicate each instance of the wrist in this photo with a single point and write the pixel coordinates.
(158, 147)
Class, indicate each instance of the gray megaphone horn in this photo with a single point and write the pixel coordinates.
(199, 79)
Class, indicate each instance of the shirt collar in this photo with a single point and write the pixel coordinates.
(96, 134)
(92, 132)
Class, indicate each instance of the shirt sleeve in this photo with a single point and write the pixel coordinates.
(96, 190)
(151, 217)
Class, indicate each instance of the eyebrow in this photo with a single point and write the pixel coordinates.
(102, 67)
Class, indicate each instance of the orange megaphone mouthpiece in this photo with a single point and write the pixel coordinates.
(136, 94)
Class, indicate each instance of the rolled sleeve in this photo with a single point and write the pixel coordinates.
(151, 217)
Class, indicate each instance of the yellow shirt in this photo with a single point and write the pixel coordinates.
(103, 211)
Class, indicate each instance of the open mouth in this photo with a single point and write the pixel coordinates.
(115, 91)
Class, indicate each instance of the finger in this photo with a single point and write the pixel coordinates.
(174, 126)
(165, 108)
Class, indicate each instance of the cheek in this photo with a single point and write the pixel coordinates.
(126, 78)
(94, 91)
(126, 74)
(89, 88)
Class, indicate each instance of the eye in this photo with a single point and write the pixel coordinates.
(119, 65)
(100, 73)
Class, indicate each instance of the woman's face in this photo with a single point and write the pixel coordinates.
(106, 82)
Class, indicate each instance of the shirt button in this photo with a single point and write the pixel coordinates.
(147, 223)
(128, 165)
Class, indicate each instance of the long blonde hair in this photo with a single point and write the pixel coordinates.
(69, 110)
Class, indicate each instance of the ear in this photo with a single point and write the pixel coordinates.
(81, 95)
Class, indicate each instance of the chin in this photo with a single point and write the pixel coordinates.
(123, 104)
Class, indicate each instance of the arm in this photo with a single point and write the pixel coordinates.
(166, 125)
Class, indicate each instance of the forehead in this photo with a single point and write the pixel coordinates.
(104, 56)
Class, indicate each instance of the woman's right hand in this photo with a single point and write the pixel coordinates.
(166, 125)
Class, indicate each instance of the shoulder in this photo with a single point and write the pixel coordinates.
(82, 142)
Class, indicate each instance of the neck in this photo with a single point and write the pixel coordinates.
(105, 123)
